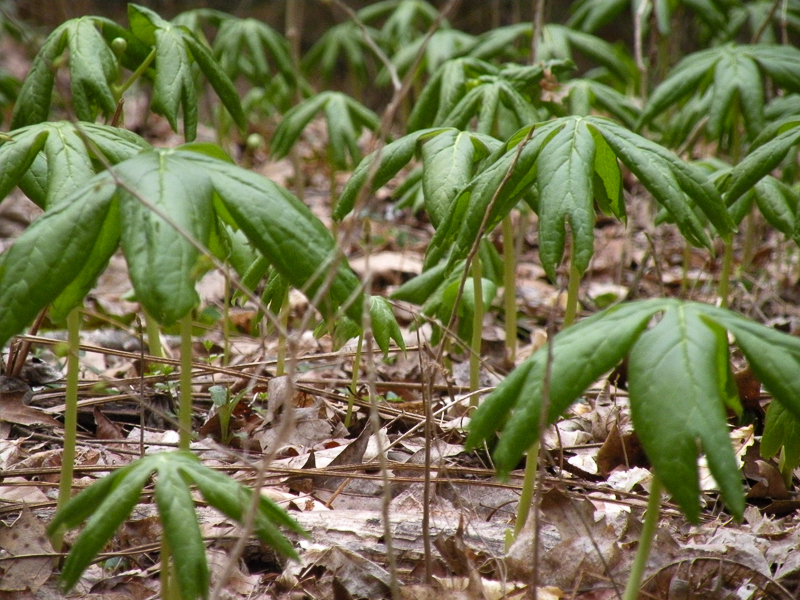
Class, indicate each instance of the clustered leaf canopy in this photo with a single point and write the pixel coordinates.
(108, 502)
(150, 204)
(679, 380)
(94, 70)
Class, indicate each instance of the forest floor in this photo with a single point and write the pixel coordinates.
(593, 476)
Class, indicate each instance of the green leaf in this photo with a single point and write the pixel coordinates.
(670, 180)
(106, 243)
(111, 504)
(17, 155)
(181, 529)
(174, 85)
(677, 407)
(760, 162)
(781, 430)
(93, 69)
(581, 354)
(778, 203)
(180, 190)
(773, 356)
(457, 232)
(67, 159)
(233, 500)
(566, 194)
(384, 325)
(345, 119)
(448, 158)
(243, 46)
(393, 157)
(344, 39)
(33, 273)
(608, 179)
(109, 501)
(296, 243)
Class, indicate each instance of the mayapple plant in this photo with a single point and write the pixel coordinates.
(153, 48)
(680, 385)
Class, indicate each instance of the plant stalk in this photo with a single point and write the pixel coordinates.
(119, 90)
(283, 319)
(646, 538)
(354, 381)
(509, 284)
(185, 408)
(153, 336)
(724, 278)
(70, 414)
(477, 332)
(573, 288)
(528, 485)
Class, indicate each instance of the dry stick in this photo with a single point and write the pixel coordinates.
(401, 90)
(17, 359)
(249, 521)
(351, 14)
(331, 274)
(767, 20)
(538, 25)
(427, 399)
(537, 494)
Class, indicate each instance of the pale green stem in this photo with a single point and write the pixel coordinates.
(509, 284)
(169, 590)
(185, 408)
(283, 319)
(649, 528)
(750, 240)
(226, 324)
(70, 415)
(477, 332)
(354, 381)
(687, 263)
(153, 336)
(573, 288)
(121, 89)
(786, 469)
(724, 278)
(528, 484)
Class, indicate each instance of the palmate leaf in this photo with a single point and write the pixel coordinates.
(558, 43)
(156, 190)
(49, 160)
(568, 146)
(109, 501)
(736, 77)
(345, 118)
(587, 95)
(344, 41)
(393, 157)
(403, 20)
(445, 44)
(678, 385)
(775, 143)
(174, 88)
(449, 159)
(93, 70)
(243, 46)
(50, 254)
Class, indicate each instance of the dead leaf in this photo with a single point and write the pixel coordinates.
(26, 536)
(106, 429)
(14, 410)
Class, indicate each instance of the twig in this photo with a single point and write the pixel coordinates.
(481, 230)
(396, 84)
